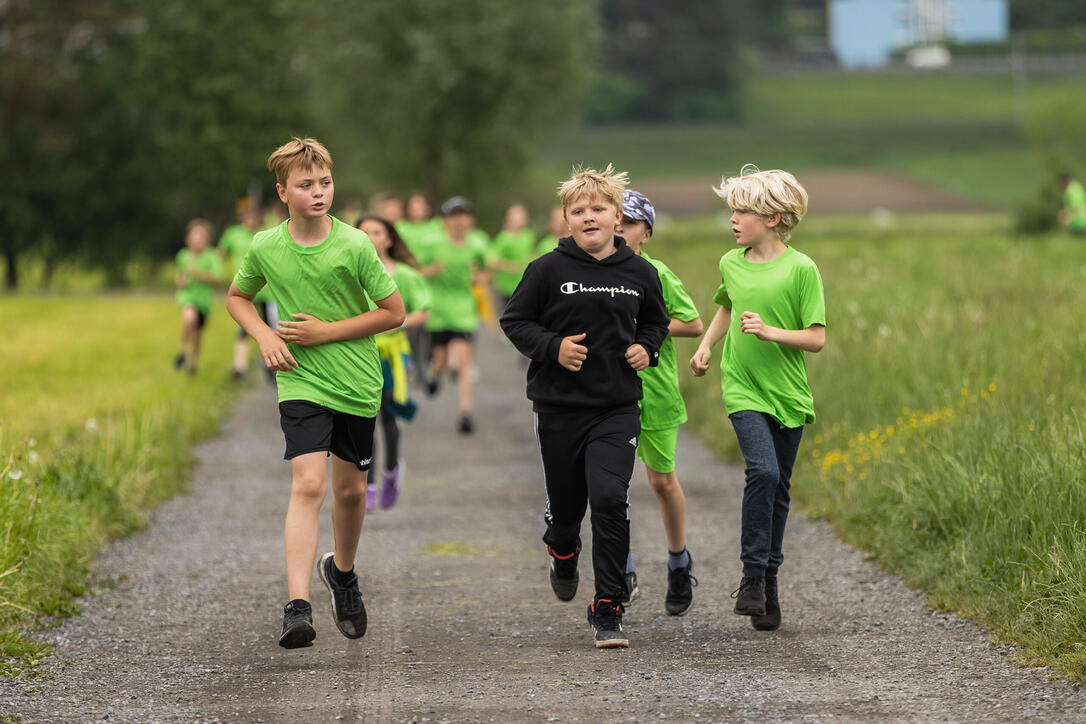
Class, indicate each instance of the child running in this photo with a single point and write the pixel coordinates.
(451, 264)
(395, 352)
(233, 246)
(198, 269)
(323, 275)
(557, 228)
(763, 370)
(589, 316)
(514, 247)
(662, 411)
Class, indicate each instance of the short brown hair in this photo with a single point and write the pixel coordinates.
(305, 153)
(608, 184)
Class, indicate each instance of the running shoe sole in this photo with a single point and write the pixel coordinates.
(613, 644)
(348, 632)
(298, 636)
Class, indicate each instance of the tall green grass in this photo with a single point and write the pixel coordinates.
(95, 427)
(951, 401)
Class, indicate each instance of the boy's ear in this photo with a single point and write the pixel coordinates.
(773, 220)
(282, 191)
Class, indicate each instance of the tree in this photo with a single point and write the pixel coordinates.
(456, 94)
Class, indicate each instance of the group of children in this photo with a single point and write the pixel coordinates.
(594, 315)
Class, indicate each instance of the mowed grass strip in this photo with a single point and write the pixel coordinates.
(95, 427)
(951, 399)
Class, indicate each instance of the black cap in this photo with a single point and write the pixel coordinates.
(455, 205)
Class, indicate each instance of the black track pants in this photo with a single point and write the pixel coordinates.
(588, 459)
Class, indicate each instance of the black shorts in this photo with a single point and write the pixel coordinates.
(201, 317)
(441, 339)
(309, 427)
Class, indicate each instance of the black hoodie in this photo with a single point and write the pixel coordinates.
(616, 301)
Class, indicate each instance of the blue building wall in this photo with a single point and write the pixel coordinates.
(865, 33)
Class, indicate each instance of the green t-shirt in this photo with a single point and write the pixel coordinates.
(1074, 200)
(514, 246)
(547, 243)
(235, 243)
(197, 293)
(766, 376)
(419, 234)
(662, 406)
(413, 288)
(332, 281)
(453, 307)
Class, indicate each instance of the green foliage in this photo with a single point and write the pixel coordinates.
(677, 61)
(950, 440)
(455, 95)
(1057, 135)
(80, 463)
(1048, 14)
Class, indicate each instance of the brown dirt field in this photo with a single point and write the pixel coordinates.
(830, 192)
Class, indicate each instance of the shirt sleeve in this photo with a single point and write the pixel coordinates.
(812, 300)
(679, 304)
(721, 296)
(520, 320)
(375, 279)
(652, 319)
(249, 279)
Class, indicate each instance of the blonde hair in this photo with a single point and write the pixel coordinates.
(766, 193)
(304, 153)
(608, 184)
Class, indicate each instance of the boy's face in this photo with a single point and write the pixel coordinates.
(418, 208)
(458, 224)
(308, 192)
(252, 220)
(635, 232)
(516, 217)
(391, 210)
(750, 229)
(592, 222)
(197, 239)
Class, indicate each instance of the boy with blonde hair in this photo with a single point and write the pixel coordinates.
(198, 270)
(322, 273)
(589, 316)
(763, 370)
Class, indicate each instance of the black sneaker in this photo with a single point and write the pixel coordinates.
(298, 628)
(771, 621)
(347, 608)
(432, 387)
(465, 425)
(605, 617)
(680, 589)
(633, 592)
(564, 576)
(750, 596)
(179, 361)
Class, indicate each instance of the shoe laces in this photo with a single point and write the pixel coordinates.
(683, 573)
(348, 599)
(607, 615)
(746, 582)
(295, 614)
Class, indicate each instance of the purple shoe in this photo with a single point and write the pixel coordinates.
(390, 486)
(371, 497)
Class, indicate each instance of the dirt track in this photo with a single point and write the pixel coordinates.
(463, 625)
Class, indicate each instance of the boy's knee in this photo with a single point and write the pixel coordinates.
(352, 493)
(665, 485)
(612, 504)
(309, 486)
(763, 476)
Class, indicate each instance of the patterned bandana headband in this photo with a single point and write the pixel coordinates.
(636, 206)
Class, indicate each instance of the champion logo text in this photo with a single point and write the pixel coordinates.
(577, 287)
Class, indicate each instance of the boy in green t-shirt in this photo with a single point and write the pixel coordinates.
(513, 249)
(198, 269)
(1073, 213)
(662, 411)
(233, 246)
(556, 228)
(322, 274)
(763, 370)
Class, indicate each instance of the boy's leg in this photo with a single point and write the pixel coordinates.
(189, 321)
(197, 337)
(786, 442)
(609, 462)
(390, 430)
(241, 351)
(752, 429)
(308, 486)
(348, 510)
(461, 359)
(657, 449)
(561, 448)
(439, 360)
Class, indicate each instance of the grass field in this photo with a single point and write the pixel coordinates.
(962, 134)
(95, 427)
(951, 400)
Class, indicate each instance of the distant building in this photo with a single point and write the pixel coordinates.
(865, 33)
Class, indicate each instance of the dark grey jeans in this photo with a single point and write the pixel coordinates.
(770, 452)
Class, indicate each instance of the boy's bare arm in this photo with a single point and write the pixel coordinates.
(679, 328)
(718, 327)
(811, 339)
(272, 348)
(309, 331)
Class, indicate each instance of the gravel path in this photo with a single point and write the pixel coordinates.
(463, 625)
